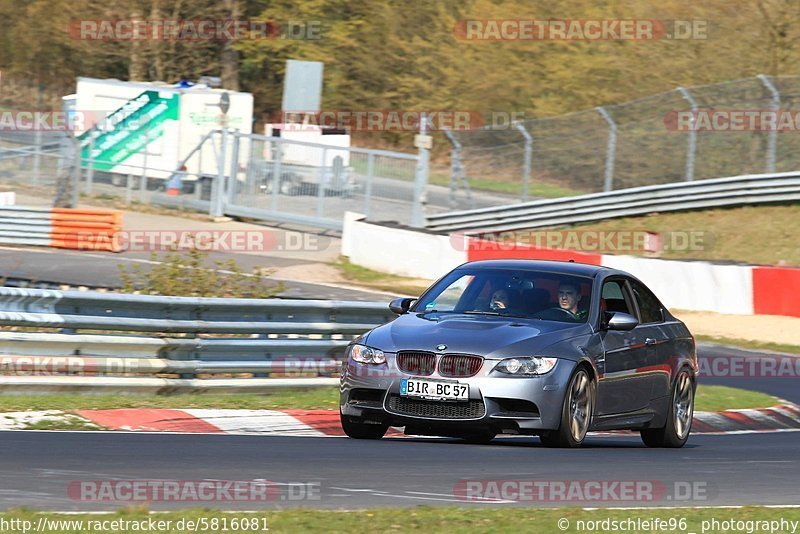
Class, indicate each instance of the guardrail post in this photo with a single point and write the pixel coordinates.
(772, 140)
(691, 148)
(526, 162)
(421, 178)
(218, 185)
(608, 183)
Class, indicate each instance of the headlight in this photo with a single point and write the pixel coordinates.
(364, 354)
(526, 366)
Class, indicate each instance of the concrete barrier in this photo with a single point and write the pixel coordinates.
(687, 285)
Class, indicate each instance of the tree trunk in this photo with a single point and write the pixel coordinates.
(229, 57)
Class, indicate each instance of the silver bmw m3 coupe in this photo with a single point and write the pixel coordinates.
(554, 349)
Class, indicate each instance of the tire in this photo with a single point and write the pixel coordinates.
(679, 420)
(359, 430)
(576, 413)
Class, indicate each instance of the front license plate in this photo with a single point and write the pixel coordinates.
(434, 389)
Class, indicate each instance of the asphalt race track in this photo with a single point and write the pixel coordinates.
(784, 387)
(37, 467)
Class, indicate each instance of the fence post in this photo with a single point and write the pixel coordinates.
(143, 179)
(277, 154)
(692, 146)
(37, 156)
(370, 177)
(421, 178)
(218, 185)
(611, 149)
(90, 168)
(526, 162)
(457, 170)
(322, 186)
(772, 140)
(233, 179)
(76, 175)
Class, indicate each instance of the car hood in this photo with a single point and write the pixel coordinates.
(486, 335)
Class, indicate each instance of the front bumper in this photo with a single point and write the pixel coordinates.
(502, 404)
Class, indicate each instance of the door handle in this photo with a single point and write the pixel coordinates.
(649, 341)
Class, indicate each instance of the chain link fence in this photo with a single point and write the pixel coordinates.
(636, 143)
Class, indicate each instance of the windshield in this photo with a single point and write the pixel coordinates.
(512, 293)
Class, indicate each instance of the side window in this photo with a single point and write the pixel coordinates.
(649, 306)
(614, 298)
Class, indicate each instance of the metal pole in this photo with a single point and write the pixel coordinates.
(322, 186)
(233, 179)
(38, 136)
(143, 179)
(421, 179)
(76, 175)
(90, 168)
(691, 148)
(611, 149)
(37, 156)
(455, 166)
(772, 140)
(129, 188)
(218, 186)
(276, 173)
(368, 189)
(526, 162)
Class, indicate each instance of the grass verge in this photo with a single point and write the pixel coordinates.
(535, 190)
(304, 399)
(718, 398)
(749, 234)
(709, 398)
(64, 422)
(422, 518)
(399, 285)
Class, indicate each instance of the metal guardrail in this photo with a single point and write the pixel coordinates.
(287, 343)
(733, 191)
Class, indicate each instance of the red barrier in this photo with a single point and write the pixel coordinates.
(776, 291)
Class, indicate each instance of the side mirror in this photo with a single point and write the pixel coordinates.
(622, 321)
(401, 305)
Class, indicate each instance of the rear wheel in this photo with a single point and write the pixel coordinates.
(576, 413)
(679, 420)
(357, 429)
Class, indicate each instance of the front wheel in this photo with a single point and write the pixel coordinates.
(359, 430)
(679, 421)
(576, 413)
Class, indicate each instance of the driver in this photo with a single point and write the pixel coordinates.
(569, 295)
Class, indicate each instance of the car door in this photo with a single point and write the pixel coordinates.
(621, 389)
(660, 346)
